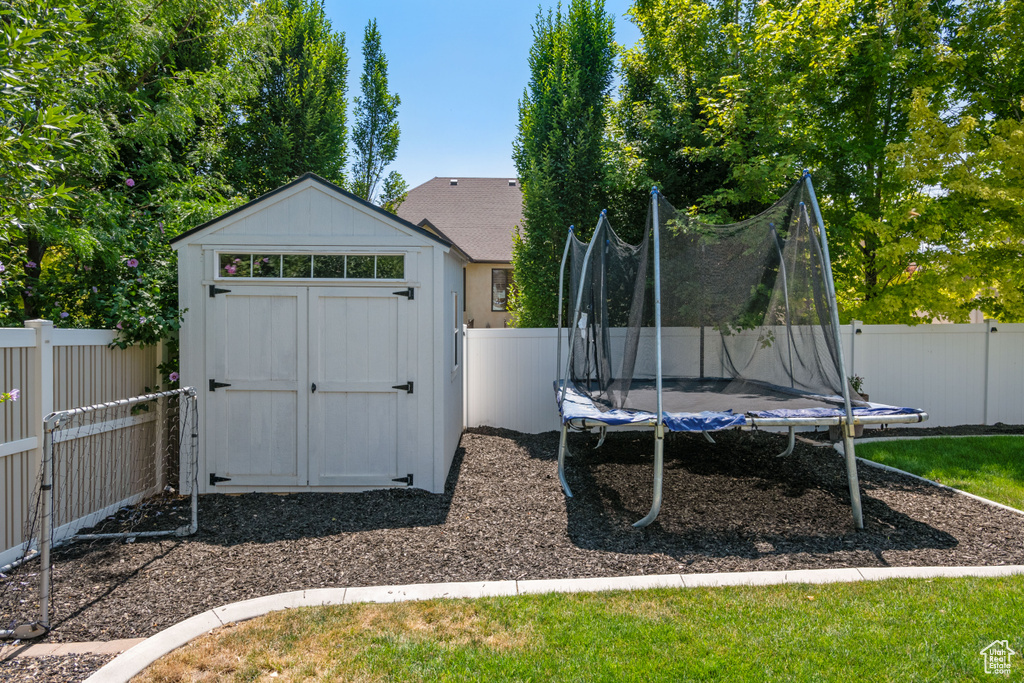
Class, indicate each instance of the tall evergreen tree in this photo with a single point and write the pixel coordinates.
(297, 120)
(376, 130)
(559, 149)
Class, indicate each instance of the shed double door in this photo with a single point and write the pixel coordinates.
(313, 379)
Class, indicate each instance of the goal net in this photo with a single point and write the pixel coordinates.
(121, 470)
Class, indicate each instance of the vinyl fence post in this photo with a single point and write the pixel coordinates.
(987, 403)
(40, 389)
(159, 460)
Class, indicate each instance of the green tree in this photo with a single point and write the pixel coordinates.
(45, 51)
(376, 129)
(559, 150)
(963, 162)
(296, 120)
(153, 122)
(750, 93)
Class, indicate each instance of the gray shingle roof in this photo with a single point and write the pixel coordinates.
(477, 214)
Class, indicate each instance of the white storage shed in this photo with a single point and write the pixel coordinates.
(325, 336)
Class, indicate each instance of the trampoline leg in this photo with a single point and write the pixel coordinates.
(851, 474)
(659, 471)
(708, 437)
(604, 433)
(792, 442)
(563, 448)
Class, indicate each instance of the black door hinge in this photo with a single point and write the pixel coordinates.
(214, 385)
(407, 479)
(214, 291)
(409, 293)
(214, 479)
(407, 387)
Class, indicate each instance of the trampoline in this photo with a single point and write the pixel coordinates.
(704, 327)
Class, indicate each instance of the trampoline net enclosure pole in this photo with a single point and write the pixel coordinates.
(848, 449)
(659, 429)
(579, 302)
(561, 288)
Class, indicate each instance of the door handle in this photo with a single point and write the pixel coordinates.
(313, 388)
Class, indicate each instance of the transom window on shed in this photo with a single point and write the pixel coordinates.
(313, 266)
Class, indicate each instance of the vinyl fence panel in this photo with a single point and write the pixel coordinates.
(958, 374)
(54, 369)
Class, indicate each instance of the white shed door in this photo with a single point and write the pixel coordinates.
(256, 343)
(359, 349)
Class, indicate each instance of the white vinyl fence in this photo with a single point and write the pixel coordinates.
(53, 369)
(958, 374)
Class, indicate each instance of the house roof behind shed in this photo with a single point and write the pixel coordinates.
(477, 214)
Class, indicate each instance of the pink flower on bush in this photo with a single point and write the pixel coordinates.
(130, 182)
(64, 314)
(95, 289)
(230, 270)
(2, 269)
(15, 394)
(11, 395)
(118, 325)
(173, 377)
(142, 319)
(133, 263)
(30, 264)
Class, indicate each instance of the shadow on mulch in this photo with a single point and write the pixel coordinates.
(732, 498)
(268, 518)
(730, 506)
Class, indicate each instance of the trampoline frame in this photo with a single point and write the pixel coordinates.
(846, 421)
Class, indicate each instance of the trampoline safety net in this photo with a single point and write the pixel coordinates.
(745, 314)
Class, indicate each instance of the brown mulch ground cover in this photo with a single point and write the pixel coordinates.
(729, 506)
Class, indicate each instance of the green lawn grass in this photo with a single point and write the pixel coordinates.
(988, 466)
(896, 630)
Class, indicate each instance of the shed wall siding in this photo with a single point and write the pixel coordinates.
(308, 218)
(310, 213)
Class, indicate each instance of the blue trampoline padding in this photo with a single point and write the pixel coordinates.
(578, 406)
(875, 410)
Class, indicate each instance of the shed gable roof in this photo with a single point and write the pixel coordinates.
(295, 187)
(477, 214)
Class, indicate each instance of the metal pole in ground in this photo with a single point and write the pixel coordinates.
(851, 458)
(659, 429)
(46, 523)
(193, 400)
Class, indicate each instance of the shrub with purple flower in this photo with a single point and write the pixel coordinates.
(133, 263)
(12, 395)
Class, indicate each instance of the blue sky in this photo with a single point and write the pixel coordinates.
(460, 67)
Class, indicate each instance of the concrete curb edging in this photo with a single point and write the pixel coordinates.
(887, 468)
(135, 660)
